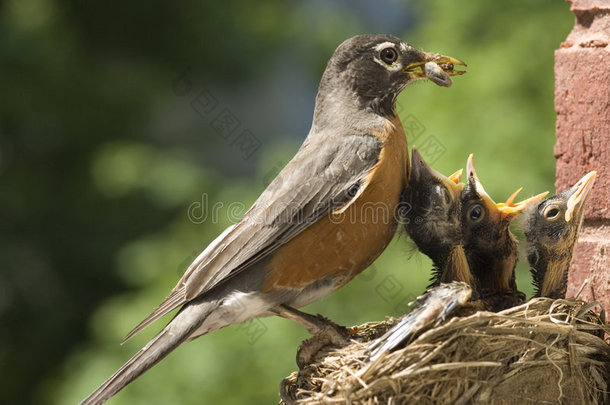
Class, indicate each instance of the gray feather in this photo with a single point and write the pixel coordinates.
(175, 333)
(431, 309)
(310, 186)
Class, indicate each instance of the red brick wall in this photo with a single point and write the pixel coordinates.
(582, 104)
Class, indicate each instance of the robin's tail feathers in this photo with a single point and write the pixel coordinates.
(175, 333)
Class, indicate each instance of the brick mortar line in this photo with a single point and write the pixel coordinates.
(592, 239)
(595, 232)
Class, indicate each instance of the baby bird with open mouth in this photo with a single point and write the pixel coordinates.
(431, 211)
(491, 249)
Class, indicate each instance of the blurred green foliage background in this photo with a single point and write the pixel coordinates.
(102, 153)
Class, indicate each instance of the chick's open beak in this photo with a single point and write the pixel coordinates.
(506, 209)
(473, 179)
(419, 166)
(456, 177)
(578, 195)
(509, 208)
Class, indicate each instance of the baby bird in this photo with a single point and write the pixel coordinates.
(490, 247)
(461, 229)
(551, 230)
(431, 211)
(447, 220)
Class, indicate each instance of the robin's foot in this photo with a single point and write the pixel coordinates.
(310, 347)
(288, 389)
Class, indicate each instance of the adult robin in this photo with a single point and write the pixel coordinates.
(551, 230)
(491, 249)
(326, 216)
(432, 219)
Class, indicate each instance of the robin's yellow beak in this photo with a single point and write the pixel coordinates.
(446, 63)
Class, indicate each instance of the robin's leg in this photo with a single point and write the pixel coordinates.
(324, 332)
(315, 324)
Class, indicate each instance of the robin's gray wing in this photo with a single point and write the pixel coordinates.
(431, 309)
(324, 175)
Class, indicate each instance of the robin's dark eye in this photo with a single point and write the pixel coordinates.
(475, 213)
(389, 55)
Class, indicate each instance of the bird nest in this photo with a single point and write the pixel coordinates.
(542, 352)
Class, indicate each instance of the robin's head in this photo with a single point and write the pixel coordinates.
(490, 246)
(375, 68)
(551, 231)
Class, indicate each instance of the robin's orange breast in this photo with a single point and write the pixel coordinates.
(347, 241)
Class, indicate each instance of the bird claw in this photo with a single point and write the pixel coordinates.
(327, 333)
(288, 389)
(310, 347)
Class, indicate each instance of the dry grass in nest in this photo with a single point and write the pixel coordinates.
(542, 352)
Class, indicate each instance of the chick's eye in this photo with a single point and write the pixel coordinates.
(552, 212)
(446, 195)
(475, 212)
(389, 55)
